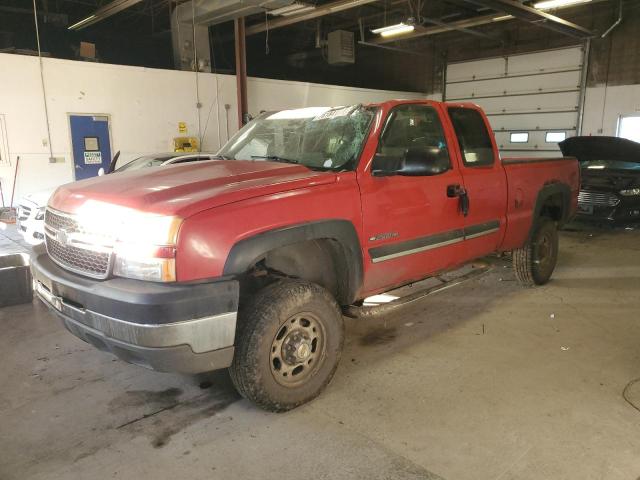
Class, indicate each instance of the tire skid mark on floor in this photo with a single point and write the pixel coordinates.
(166, 422)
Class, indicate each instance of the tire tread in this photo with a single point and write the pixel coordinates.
(255, 321)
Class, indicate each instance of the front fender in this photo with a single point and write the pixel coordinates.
(247, 252)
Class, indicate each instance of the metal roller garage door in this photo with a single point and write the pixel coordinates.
(533, 100)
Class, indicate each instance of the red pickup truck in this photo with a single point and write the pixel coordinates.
(245, 261)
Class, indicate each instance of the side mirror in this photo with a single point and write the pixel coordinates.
(112, 164)
(385, 165)
(415, 162)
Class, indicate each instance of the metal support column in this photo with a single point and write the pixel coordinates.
(241, 70)
(583, 84)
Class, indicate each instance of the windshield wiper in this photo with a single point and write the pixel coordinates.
(221, 157)
(275, 158)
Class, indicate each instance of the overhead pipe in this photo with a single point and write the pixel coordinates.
(616, 23)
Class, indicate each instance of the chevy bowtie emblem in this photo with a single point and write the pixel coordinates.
(62, 237)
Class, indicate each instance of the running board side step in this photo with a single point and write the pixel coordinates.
(370, 311)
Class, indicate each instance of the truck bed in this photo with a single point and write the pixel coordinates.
(526, 177)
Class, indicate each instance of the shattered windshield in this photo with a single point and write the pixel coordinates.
(320, 138)
(145, 162)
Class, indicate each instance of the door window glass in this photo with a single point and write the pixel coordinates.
(412, 127)
(555, 137)
(629, 127)
(91, 144)
(473, 137)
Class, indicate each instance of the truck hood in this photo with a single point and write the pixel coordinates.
(186, 189)
(587, 149)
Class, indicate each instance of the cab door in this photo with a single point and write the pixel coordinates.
(484, 180)
(411, 226)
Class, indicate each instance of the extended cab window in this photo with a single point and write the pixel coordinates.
(473, 137)
(412, 127)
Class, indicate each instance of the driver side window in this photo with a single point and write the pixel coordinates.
(412, 127)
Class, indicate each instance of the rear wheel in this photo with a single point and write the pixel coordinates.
(288, 344)
(535, 261)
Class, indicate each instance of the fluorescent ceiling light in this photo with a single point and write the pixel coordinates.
(81, 22)
(396, 29)
(300, 10)
(548, 4)
(501, 18)
(103, 12)
(293, 9)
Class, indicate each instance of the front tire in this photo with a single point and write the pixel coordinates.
(534, 263)
(288, 345)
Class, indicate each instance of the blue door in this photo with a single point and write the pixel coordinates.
(91, 144)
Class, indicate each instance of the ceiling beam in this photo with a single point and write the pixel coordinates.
(319, 11)
(537, 17)
(470, 31)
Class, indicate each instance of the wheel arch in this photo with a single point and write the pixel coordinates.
(554, 201)
(336, 239)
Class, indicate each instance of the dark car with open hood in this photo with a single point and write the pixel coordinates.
(610, 166)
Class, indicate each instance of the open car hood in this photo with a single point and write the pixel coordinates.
(587, 149)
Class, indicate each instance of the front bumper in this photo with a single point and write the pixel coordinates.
(165, 327)
(620, 215)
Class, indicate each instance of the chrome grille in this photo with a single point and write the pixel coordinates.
(57, 221)
(94, 264)
(600, 199)
(23, 212)
(67, 250)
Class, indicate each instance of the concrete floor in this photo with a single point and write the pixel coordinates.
(482, 381)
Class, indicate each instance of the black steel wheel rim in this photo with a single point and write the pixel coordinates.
(544, 251)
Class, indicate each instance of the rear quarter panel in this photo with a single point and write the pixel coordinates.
(526, 178)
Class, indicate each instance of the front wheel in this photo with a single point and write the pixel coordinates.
(288, 344)
(535, 261)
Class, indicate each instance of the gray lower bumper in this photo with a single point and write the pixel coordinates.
(188, 346)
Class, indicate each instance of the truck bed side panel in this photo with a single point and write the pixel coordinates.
(526, 177)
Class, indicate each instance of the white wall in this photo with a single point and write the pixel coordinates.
(603, 107)
(145, 106)
(267, 94)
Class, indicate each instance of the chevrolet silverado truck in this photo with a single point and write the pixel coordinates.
(245, 261)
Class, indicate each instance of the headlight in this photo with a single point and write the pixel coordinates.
(40, 214)
(144, 243)
(155, 265)
(630, 192)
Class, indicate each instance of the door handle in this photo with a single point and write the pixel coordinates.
(457, 190)
(454, 190)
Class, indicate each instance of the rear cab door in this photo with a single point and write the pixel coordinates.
(483, 176)
(411, 227)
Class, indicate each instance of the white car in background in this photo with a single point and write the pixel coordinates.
(30, 214)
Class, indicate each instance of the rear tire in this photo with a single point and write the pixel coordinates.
(288, 345)
(534, 263)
